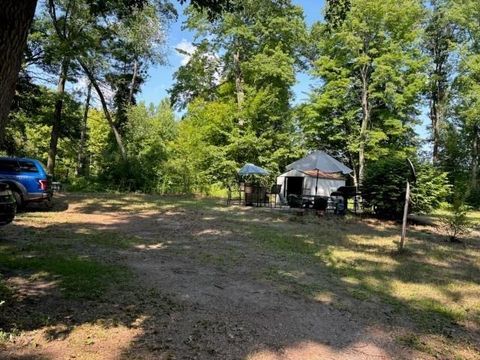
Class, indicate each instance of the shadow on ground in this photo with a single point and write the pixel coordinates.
(190, 278)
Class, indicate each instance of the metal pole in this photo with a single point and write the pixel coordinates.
(405, 215)
(316, 184)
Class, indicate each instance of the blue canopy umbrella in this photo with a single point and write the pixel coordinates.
(251, 169)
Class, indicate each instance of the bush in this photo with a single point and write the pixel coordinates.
(81, 184)
(456, 223)
(384, 187)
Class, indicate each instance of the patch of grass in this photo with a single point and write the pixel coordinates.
(473, 216)
(5, 292)
(290, 282)
(413, 341)
(109, 239)
(432, 283)
(284, 242)
(78, 277)
(59, 241)
(105, 202)
(226, 259)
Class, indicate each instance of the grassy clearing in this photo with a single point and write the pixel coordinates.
(428, 294)
(435, 284)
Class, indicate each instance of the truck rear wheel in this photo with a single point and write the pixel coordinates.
(18, 200)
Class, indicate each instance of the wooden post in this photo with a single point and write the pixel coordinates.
(405, 215)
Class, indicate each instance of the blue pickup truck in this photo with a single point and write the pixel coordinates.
(27, 179)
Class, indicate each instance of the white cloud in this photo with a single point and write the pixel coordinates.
(187, 49)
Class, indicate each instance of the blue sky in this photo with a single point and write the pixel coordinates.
(161, 77)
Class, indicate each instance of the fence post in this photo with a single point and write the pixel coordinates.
(405, 215)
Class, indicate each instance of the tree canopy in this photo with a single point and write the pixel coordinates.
(379, 71)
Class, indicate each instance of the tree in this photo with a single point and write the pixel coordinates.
(82, 164)
(140, 40)
(245, 71)
(147, 134)
(384, 187)
(466, 15)
(32, 116)
(15, 20)
(336, 12)
(369, 67)
(196, 79)
(438, 44)
(83, 38)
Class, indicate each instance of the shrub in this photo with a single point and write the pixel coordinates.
(384, 187)
(456, 223)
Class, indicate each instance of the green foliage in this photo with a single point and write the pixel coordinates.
(147, 134)
(466, 16)
(31, 120)
(375, 62)
(370, 66)
(385, 183)
(456, 223)
(336, 12)
(239, 101)
(431, 189)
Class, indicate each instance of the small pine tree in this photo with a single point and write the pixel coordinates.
(456, 223)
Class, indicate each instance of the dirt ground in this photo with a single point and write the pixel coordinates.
(192, 285)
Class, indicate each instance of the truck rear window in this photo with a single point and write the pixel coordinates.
(8, 165)
(27, 166)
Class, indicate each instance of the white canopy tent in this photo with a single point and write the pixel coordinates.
(316, 174)
(319, 160)
(306, 183)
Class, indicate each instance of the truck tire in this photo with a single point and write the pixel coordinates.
(18, 199)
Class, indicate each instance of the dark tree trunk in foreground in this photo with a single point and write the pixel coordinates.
(57, 118)
(15, 19)
(82, 158)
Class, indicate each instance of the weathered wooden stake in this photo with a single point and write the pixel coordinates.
(405, 215)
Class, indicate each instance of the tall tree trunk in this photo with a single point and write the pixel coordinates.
(435, 129)
(475, 156)
(15, 19)
(439, 33)
(133, 82)
(81, 160)
(364, 125)
(238, 83)
(354, 168)
(57, 117)
(438, 103)
(116, 134)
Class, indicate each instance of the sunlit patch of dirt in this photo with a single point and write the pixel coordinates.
(318, 351)
(150, 246)
(31, 287)
(86, 342)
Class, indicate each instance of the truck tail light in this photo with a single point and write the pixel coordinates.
(43, 184)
